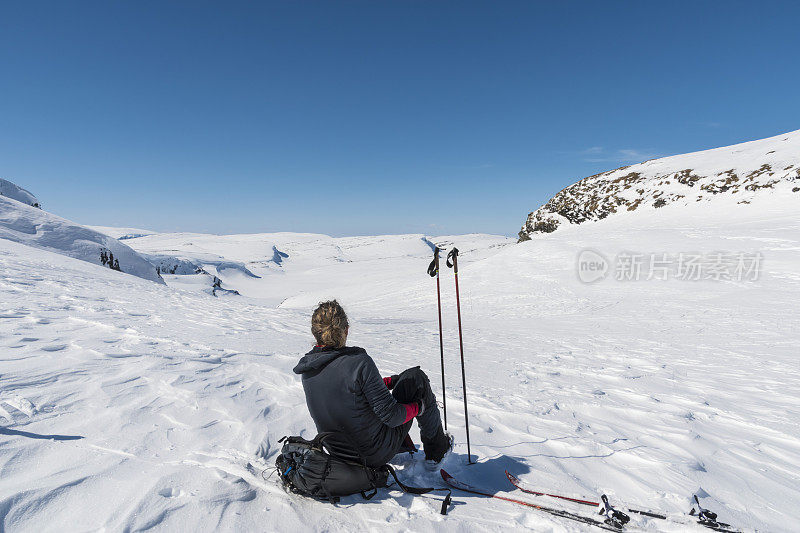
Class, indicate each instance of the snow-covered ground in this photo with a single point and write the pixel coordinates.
(130, 405)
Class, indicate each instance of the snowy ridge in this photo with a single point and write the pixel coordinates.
(744, 173)
(15, 192)
(197, 265)
(122, 233)
(20, 222)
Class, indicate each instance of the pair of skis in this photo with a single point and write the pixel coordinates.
(615, 520)
(705, 517)
(433, 271)
(450, 480)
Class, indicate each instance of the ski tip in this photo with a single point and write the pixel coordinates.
(511, 477)
(445, 475)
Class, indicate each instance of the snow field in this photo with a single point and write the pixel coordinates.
(133, 406)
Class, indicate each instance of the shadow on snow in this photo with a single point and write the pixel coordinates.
(27, 434)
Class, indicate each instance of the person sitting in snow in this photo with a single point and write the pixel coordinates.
(345, 394)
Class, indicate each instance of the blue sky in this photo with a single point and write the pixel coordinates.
(371, 117)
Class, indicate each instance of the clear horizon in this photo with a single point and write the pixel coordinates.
(359, 118)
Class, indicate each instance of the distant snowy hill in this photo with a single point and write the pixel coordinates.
(23, 223)
(122, 233)
(15, 192)
(293, 268)
(739, 174)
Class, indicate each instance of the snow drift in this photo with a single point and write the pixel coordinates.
(23, 223)
(15, 192)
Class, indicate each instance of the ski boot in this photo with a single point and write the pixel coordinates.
(437, 449)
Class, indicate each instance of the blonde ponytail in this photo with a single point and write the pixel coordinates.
(329, 325)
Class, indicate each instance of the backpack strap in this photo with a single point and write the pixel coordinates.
(403, 486)
(321, 437)
(332, 499)
(418, 490)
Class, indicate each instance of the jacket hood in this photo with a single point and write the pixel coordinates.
(320, 356)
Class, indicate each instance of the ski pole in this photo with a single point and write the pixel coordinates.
(433, 270)
(452, 262)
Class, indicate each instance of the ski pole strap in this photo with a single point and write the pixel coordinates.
(417, 490)
(452, 258)
(433, 268)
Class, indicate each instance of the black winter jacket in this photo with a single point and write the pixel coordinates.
(345, 393)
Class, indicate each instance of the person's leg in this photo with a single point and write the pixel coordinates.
(398, 437)
(413, 385)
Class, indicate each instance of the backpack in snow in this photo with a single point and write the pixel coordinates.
(305, 468)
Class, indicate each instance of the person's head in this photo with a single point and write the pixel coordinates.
(329, 325)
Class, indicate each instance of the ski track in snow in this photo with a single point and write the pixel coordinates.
(128, 406)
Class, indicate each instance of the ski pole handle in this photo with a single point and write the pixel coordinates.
(433, 268)
(452, 260)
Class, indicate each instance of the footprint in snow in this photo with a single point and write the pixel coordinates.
(54, 348)
(13, 315)
(18, 403)
(170, 492)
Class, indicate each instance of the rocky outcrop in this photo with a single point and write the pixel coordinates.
(742, 171)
